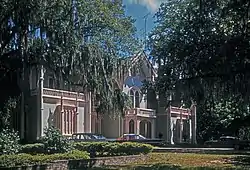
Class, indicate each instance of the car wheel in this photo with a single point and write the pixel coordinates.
(236, 147)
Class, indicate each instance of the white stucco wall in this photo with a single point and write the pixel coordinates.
(46, 113)
(110, 127)
(80, 120)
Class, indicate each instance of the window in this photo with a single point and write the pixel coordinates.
(131, 94)
(137, 99)
(51, 82)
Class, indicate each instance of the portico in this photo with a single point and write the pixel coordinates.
(140, 121)
(179, 124)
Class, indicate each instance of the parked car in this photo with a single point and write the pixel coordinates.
(87, 137)
(228, 142)
(140, 139)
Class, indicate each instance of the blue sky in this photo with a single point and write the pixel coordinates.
(138, 9)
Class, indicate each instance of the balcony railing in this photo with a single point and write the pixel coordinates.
(142, 112)
(68, 95)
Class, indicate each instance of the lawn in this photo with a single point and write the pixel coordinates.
(188, 161)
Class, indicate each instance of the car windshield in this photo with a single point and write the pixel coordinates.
(133, 136)
(227, 138)
(99, 137)
(141, 137)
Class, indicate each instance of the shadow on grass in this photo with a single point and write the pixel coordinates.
(243, 161)
(165, 167)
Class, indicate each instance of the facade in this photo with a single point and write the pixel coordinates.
(73, 112)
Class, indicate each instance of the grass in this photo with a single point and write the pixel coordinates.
(188, 161)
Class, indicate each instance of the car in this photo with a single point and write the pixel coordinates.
(87, 137)
(228, 142)
(140, 139)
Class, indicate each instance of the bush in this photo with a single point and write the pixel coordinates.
(37, 148)
(27, 159)
(244, 133)
(55, 142)
(113, 149)
(9, 142)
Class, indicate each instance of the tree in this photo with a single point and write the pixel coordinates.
(202, 50)
(200, 46)
(80, 40)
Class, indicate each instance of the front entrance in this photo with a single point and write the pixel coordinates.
(131, 127)
(146, 128)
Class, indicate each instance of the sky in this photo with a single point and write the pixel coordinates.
(138, 9)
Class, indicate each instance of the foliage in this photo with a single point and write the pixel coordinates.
(55, 142)
(202, 47)
(9, 142)
(27, 159)
(81, 42)
(223, 117)
(113, 148)
(6, 112)
(202, 50)
(37, 148)
(244, 133)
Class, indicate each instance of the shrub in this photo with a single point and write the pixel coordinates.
(37, 148)
(9, 142)
(113, 149)
(244, 133)
(55, 142)
(27, 159)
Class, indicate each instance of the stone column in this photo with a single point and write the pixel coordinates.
(146, 129)
(86, 112)
(153, 128)
(169, 125)
(194, 121)
(62, 113)
(181, 127)
(190, 131)
(90, 112)
(171, 140)
(40, 122)
(137, 130)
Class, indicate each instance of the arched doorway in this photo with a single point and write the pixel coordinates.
(146, 128)
(149, 130)
(131, 126)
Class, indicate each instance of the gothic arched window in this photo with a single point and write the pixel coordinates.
(137, 99)
(131, 94)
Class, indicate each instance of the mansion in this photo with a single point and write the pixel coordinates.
(74, 112)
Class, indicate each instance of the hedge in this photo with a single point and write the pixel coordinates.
(113, 149)
(97, 148)
(25, 159)
(37, 148)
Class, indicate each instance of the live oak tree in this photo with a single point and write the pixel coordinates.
(202, 48)
(84, 42)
